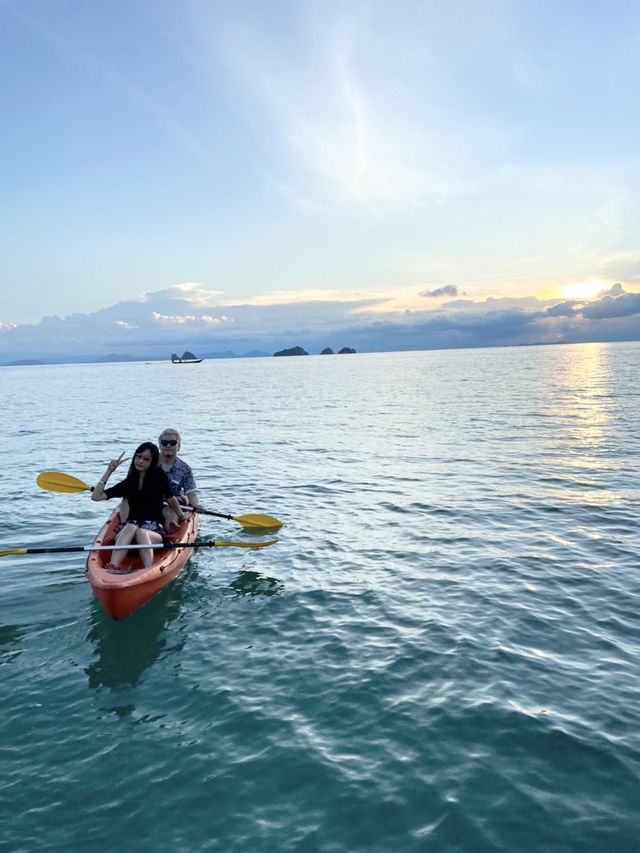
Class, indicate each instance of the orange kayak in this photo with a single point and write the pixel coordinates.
(125, 590)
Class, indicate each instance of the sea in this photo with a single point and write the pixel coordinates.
(441, 652)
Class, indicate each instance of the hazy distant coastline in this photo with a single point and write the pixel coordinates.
(119, 359)
(115, 358)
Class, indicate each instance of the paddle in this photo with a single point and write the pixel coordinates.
(55, 481)
(162, 546)
(254, 521)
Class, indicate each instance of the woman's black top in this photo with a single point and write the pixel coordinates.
(145, 504)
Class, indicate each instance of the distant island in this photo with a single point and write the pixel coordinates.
(112, 356)
(292, 351)
(325, 351)
(186, 358)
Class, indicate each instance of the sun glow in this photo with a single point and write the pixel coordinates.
(584, 289)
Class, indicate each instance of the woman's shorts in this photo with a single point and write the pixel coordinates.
(153, 526)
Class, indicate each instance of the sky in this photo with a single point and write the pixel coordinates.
(248, 175)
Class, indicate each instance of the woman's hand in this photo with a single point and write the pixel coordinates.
(98, 491)
(111, 467)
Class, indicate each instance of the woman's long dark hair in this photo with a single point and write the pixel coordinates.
(150, 476)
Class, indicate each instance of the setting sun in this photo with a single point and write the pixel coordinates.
(584, 289)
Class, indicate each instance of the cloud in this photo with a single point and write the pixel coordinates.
(189, 292)
(447, 290)
(177, 320)
(287, 297)
(208, 320)
(623, 305)
(180, 319)
(141, 330)
(567, 308)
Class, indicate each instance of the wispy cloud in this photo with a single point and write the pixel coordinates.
(622, 265)
(349, 137)
(286, 297)
(362, 110)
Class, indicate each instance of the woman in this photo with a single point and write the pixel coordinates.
(145, 487)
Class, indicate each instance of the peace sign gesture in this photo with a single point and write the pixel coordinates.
(111, 467)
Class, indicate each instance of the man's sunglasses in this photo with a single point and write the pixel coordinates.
(171, 441)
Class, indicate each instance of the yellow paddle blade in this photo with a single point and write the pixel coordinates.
(54, 481)
(258, 522)
(13, 551)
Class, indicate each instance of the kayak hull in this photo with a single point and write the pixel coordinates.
(122, 592)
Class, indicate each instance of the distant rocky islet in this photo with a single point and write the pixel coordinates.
(301, 351)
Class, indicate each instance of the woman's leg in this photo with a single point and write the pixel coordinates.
(147, 537)
(125, 537)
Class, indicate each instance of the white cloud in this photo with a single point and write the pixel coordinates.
(175, 320)
(189, 291)
(208, 320)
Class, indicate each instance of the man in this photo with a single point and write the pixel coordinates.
(179, 473)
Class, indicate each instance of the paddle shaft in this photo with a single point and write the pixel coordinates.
(202, 511)
(159, 545)
(217, 514)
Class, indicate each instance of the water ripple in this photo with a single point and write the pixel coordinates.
(440, 653)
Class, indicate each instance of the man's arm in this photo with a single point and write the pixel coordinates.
(194, 500)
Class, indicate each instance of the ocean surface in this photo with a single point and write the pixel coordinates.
(440, 653)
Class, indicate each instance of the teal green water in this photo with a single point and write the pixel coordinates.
(442, 652)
